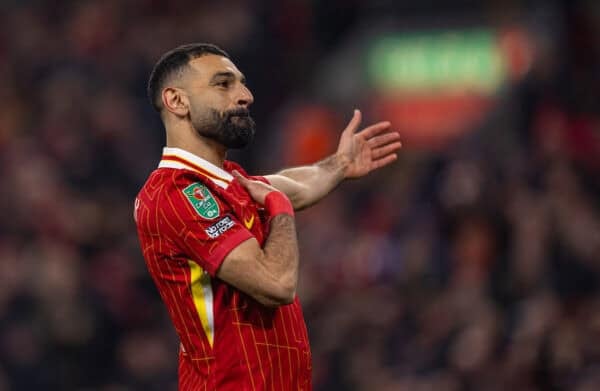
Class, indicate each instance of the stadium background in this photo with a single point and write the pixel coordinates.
(470, 264)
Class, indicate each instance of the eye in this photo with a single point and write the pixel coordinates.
(223, 84)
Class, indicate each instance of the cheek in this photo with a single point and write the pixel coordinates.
(208, 103)
(200, 116)
(199, 107)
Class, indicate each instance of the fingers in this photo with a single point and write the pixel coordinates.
(378, 141)
(374, 129)
(237, 175)
(354, 123)
(243, 181)
(381, 152)
(384, 161)
(256, 189)
(383, 145)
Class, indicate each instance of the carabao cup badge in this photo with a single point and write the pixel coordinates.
(202, 200)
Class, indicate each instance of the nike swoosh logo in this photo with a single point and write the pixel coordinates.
(249, 223)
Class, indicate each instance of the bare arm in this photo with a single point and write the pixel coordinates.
(306, 185)
(357, 155)
(269, 274)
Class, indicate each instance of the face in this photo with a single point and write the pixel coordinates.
(218, 101)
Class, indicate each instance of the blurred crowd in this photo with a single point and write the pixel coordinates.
(474, 267)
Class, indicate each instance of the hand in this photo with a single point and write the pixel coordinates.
(258, 190)
(371, 148)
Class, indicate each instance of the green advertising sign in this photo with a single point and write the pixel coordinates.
(437, 61)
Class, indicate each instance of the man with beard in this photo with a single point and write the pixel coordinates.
(220, 244)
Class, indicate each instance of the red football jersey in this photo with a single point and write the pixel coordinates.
(190, 214)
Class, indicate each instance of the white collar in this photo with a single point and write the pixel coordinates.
(182, 159)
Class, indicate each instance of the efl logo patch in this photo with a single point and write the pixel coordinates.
(202, 200)
(218, 228)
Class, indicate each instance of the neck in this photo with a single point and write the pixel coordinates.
(201, 146)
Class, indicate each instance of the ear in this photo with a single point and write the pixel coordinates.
(175, 101)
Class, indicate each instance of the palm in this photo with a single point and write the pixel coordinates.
(373, 147)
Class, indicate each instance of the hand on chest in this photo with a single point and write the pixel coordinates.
(245, 209)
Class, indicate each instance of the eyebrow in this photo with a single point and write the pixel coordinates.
(228, 75)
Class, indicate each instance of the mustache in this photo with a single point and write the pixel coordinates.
(241, 112)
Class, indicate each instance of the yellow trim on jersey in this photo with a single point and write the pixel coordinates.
(195, 167)
(202, 295)
(198, 163)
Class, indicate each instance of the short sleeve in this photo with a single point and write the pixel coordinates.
(202, 224)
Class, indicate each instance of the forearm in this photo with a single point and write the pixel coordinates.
(307, 185)
(268, 274)
(281, 256)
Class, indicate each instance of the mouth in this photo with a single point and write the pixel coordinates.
(241, 113)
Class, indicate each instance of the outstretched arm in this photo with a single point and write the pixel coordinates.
(358, 154)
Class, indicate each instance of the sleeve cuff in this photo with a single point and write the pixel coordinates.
(223, 248)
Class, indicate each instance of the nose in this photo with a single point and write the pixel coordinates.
(245, 97)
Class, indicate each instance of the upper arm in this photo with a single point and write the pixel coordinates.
(202, 225)
(243, 268)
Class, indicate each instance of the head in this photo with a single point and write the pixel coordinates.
(200, 85)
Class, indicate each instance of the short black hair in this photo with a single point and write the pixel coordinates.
(174, 61)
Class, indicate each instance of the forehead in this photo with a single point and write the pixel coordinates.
(206, 66)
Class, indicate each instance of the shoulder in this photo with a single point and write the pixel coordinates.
(172, 192)
(164, 182)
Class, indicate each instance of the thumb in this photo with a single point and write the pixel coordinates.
(354, 123)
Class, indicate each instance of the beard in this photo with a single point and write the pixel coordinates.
(234, 129)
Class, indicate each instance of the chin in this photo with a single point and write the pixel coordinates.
(242, 122)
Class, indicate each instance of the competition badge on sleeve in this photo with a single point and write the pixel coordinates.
(202, 200)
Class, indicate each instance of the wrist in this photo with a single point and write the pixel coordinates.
(342, 162)
(277, 203)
